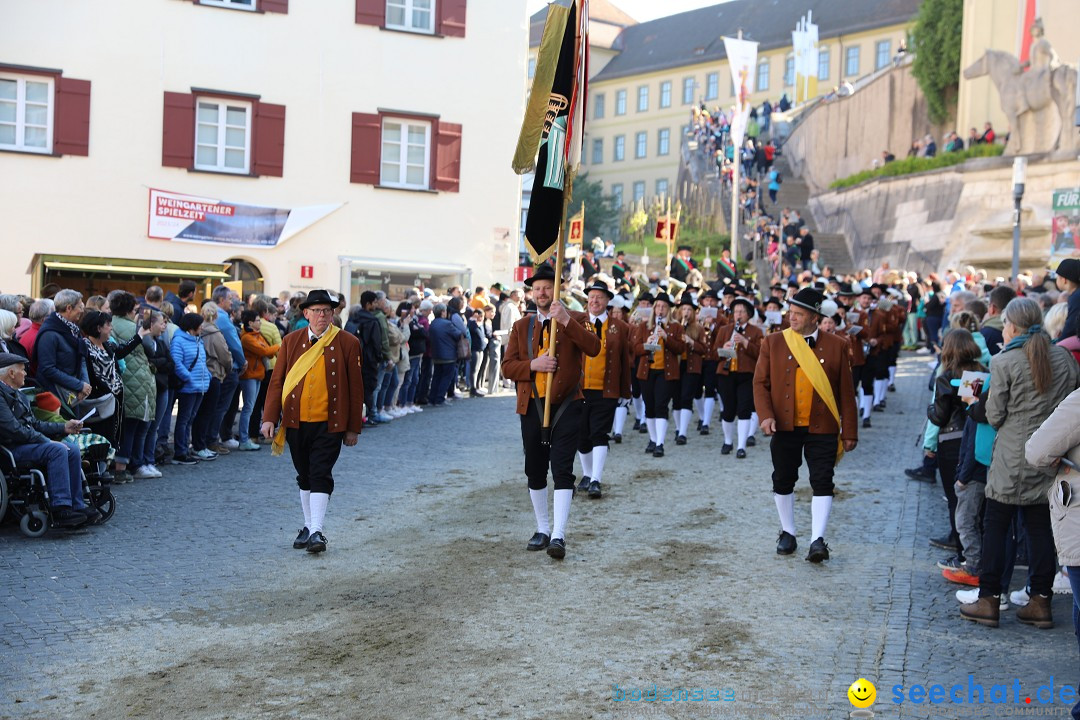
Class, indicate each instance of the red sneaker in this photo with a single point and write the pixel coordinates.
(961, 576)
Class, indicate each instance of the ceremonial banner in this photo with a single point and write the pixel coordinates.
(742, 59)
(577, 229)
(662, 229)
(188, 218)
(804, 41)
(551, 134)
(1065, 240)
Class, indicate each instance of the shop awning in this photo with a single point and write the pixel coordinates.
(194, 271)
(404, 266)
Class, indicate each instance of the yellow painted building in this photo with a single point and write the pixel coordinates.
(644, 88)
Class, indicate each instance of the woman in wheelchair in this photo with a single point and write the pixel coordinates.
(28, 440)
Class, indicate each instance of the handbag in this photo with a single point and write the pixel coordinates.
(105, 406)
(464, 347)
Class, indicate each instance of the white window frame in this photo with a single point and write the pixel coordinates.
(665, 94)
(663, 141)
(688, 85)
(232, 4)
(597, 151)
(638, 197)
(223, 104)
(789, 70)
(643, 98)
(849, 52)
(641, 145)
(712, 86)
(617, 196)
(618, 152)
(662, 191)
(824, 58)
(403, 154)
(878, 56)
(758, 85)
(598, 106)
(620, 102)
(408, 26)
(20, 113)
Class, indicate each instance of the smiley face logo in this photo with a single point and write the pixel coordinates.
(862, 693)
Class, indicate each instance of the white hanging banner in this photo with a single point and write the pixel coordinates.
(742, 59)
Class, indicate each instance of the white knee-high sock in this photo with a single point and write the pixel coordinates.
(754, 423)
(661, 430)
(639, 408)
(319, 501)
(720, 404)
(867, 406)
(620, 420)
(599, 454)
(785, 508)
(729, 431)
(684, 421)
(880, 388)
(707, 411)
(698, 406)
(540, 510)
(651, 424)
(892, 375)
(305, 503)
(744, 432)
(820, 506)
(586, 463)
(562, 512)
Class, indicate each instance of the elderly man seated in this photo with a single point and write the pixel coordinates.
(28, 440)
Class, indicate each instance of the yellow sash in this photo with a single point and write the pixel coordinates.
(808, 361)
(296, 373)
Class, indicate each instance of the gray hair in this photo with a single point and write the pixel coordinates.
(10, 303)
(66, 299)
(40, 310)
(964, 296)
(8, 321)
(5, 371)
(221, 293)
(439, 310)
(1022, 312)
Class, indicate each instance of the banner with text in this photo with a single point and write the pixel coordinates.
(1065, 232)
(188, 218)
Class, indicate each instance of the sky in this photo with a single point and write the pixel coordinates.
(643, 10)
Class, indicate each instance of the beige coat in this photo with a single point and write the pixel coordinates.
(1059, 437)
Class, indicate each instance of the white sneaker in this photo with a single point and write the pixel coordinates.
(969, 596)
(923, 351)
(154, 469)
(1019, 598)
(398, 412)
(416, 409)
(205, 454)
(231, 443)
(1062, 584)
(143, 473)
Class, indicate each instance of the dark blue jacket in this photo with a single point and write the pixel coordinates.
(59, 359)
(1072, 319)
(443, 338)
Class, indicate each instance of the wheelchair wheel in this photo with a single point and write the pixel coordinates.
(34, 523)
(104, 501)
(3, 497)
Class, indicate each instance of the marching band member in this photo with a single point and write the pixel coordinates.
(736, 373)
(689, 365)
(657, 345)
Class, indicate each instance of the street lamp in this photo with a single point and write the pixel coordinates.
(1019, 175)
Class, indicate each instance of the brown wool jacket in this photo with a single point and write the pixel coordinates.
(673, 347)
(747, 356)
(617, 366)
(577, 337)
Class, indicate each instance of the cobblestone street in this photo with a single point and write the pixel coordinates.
(191, 604)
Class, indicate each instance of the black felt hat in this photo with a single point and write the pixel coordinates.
(544, 272)
(321, 297)
(602, 287)
(808, 298)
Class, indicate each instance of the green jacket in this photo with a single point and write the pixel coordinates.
(140, 387)
(385, 335)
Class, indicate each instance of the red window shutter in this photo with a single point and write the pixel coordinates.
(71, 133)
(278, 6)
(447, 157)
(451, 18)
(269, 139)
(371, 12)
(178, 131)
(366, 148)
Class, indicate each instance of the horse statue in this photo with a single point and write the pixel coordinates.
(1037, 104)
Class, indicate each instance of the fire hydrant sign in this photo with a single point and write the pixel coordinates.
(189, 218)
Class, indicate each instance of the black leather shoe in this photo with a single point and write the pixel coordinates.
(892, 388)
(659, 451)
(583, 484)
(680, 439)
(879, 408)
(883, 403)
(785, 543)
(740, 454)
(866, 422)
(557, 548)
(301, 539)
(538, 541)
(818, 551)
(751, 441)
(617, 437)
(66, 517)
(704, 430)
(650, 448)
(594, 490)
(316, 542)
(726, 449)
(699, 424)
(637, 424)
(946, 542)
(643, 429)
(919, 474)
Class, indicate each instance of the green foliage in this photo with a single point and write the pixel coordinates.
(600, 213)
(909, 166)
(936, 42)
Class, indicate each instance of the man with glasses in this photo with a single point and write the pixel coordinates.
(317, 393)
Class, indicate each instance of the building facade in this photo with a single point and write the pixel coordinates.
(347, 144)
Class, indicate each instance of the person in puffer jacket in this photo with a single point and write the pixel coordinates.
(189, 362)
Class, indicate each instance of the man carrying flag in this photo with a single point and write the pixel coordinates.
(805, 398)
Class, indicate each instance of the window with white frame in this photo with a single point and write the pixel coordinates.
(620, 102)
(532, 67)
(663, 141)
(882, 54)
(640, 144)
(26, 113)
(665, 94)
(687, 91)
(661, 187)
(617, 195)
(789, 71)
(598, 106)
(406, 153)
(620, 148)
(597, 151)
(712, 86)
(234, 4)
(763, 76)
(411, 15)
(823, 64)
(851, 60)
(639, 191)
(223, 135)
(643, 98)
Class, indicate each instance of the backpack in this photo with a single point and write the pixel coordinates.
(779, 179)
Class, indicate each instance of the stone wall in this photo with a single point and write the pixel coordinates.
(951, 217)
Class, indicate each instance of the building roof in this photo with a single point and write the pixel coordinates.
(600, 11)
(694, 37)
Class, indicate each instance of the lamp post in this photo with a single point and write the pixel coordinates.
(1019, 175)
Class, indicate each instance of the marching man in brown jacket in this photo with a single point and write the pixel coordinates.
(317, 394)
(528, 364)
(606, 380)
(806, 400)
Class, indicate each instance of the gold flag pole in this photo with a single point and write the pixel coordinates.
(560, 253)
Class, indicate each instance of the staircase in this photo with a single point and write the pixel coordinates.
(832, 248)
